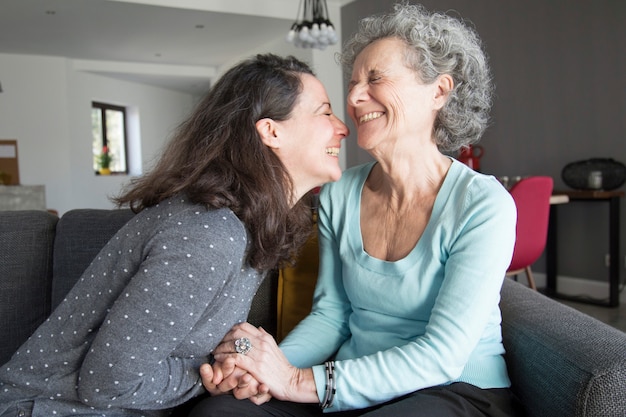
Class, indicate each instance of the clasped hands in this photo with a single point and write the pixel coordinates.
(264, 372)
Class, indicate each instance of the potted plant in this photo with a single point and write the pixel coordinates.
(104, 160)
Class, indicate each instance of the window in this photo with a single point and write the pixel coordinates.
(108, 124)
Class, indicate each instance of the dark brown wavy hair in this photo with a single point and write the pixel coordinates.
(217, 158)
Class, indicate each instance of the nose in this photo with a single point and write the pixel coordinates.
(357, 93)
(340, 128)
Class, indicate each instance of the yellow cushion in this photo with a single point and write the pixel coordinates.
(295, 288)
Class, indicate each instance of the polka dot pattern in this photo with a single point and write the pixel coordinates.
(145, 314)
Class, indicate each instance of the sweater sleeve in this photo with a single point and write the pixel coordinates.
(133, 361)
(318, 336)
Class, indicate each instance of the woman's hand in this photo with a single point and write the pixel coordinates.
(268, 366)
(221, 378)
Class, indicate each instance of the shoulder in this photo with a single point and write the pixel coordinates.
(475, 187)
(180, 217)
(477, 196)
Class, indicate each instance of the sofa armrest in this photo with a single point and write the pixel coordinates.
(561, 362)
(26, 240)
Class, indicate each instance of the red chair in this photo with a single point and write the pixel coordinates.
(532, 199)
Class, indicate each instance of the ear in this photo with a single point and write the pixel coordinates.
(444, 85)
(267, 130)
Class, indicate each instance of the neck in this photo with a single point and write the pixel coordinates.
(409, 179)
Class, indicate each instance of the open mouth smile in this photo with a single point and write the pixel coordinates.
(370, 116)
(332, 151)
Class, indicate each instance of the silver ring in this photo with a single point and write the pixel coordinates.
(243, 345)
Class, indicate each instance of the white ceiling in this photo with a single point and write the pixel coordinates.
(180, 44)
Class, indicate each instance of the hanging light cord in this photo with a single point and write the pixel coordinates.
(318, 32)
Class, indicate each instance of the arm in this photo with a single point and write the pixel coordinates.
(319, 335)
(134, 361)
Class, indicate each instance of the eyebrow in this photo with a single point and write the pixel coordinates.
(370, 73)
(326, 103)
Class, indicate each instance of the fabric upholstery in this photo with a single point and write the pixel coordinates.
(263, 308)
(26, 240)
(561, 362)
(81, 233)
(295, 288)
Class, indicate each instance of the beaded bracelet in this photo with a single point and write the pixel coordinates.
(329, 395)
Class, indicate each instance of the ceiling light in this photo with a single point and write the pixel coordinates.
(312, 28)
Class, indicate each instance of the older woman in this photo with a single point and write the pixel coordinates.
(414, 248)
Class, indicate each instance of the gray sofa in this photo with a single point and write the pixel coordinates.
(561, 362)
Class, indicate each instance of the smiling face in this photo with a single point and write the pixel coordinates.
(307, 143)
(388, 103)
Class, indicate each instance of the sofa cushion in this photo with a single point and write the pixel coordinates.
(561, 361)
(263, 308)
(26, 241)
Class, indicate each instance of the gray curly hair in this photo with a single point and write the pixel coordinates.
(437, 44)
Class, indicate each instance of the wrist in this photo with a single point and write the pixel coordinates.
(304, 389)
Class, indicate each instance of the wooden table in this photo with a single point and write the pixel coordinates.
(613, 198)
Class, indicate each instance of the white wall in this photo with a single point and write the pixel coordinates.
(46, 106)
(324, 65)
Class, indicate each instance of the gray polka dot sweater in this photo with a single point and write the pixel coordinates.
(130, 336)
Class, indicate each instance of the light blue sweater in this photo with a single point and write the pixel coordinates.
(429, 319)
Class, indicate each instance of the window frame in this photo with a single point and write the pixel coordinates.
(103, 107)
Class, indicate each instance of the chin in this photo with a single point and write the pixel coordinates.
(336, 177)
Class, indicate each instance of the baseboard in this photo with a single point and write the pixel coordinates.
(578, 287)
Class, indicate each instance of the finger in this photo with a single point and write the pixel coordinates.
(245, 380)
(247, 387)
(246, 328)
(260, 398)
(228, 366)
(263, 389)
(241, 393)
(218, 374)
(206, 374)
(228, 345)
(227, 385)
(233, 378)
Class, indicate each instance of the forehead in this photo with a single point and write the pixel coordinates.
(382, 53)
(313, 91)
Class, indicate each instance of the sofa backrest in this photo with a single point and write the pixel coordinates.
(26, 241)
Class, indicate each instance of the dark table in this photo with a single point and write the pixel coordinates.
(613, 199)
